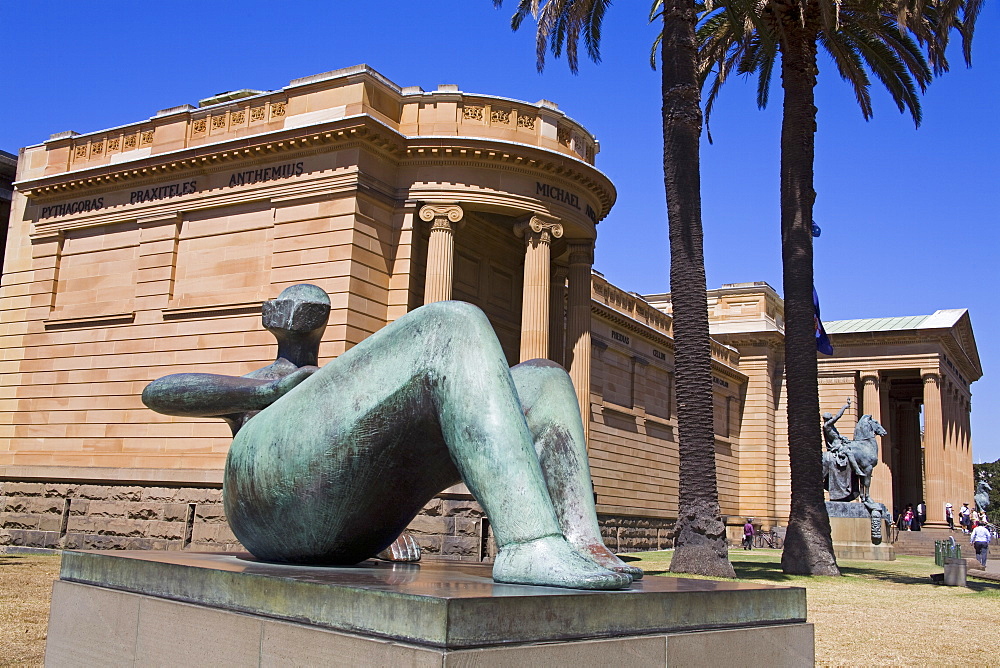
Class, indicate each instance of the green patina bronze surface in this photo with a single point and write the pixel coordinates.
(440, 604)
(328, 465)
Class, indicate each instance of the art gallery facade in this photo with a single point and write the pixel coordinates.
(148, 249)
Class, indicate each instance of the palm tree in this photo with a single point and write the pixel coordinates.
(700, 534)
(882, 38)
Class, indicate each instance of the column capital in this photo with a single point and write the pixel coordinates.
(443, 216)
(581, 252)
(870, 377)
(541, 229)
(928, 376)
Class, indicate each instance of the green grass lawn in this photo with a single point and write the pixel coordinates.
(880, 613)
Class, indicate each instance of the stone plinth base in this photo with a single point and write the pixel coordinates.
(149, 608)
(851, 530)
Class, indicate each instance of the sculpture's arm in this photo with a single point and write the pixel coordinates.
(211, 395)
(842, 411)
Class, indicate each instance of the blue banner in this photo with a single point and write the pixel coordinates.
(822, 340)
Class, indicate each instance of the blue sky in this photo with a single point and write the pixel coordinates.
(909, 216)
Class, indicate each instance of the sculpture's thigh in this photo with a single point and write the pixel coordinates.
(331, 475)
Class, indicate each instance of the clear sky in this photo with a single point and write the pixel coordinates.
(909, 217)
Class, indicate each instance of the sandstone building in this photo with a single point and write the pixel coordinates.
(148, 249)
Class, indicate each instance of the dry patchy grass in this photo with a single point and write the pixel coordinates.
(25, 590)
(879, 613)
(882, 613)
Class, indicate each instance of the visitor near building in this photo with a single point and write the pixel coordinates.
(980, 540)
(965, 518)
(908, 518)
(748, 534)
(949, 516)
(921, 515)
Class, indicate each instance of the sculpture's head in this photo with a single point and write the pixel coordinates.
(827, 416)
(300, 309)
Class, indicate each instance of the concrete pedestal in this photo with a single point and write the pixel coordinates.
(851, 530)
(158, 608)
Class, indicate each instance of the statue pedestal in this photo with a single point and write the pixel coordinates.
(181, 608)
(851, 530)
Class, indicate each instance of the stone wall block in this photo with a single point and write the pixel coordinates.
(429, 544)
(121, 527)
(119, 493)
(460, 546)
(96, 492)
(433, 508)
(23, 521)
(212, 534)
(100, 508)
(422, 524)
(166, 530)
(81, 524)
(143, 510)
(198, 495)
(466, 526)
(461, 507)
(161, 494)
(175, 512)
(210, 513)
(100, 542)
(79, 507)
(72, 541)
(24, 489)
(50, 522)
(61, 490)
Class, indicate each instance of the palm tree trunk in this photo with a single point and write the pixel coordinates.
(700, 534)
(808, 545)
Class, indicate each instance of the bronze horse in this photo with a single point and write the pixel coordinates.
(862, 456)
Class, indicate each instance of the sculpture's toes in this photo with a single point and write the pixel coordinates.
(552, 562)
(608, 559)
(403, 549)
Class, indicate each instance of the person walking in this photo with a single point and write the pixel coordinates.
(965, 518)
(949, 516)
(921, 517)
(980, 540)
(748, 534)
(908, 518)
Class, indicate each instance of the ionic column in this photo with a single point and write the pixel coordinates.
(934, 453)
(537, 234)
(872, 405)
(578, 322)
(444, 219)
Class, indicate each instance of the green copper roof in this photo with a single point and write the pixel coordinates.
(943, 318)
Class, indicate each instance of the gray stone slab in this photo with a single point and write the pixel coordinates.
(438, 604)
(77, 618)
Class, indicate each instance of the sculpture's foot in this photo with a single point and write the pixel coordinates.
(599, 553)
(403, 549)
(551, 561)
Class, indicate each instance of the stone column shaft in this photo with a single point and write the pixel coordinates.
(881, 489)
(537, 235)
(444, 219)
(934, 453)
(578, 322)
(557, 315)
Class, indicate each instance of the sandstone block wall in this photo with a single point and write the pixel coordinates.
(136, 517)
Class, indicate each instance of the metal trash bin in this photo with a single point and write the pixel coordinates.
(955, 572)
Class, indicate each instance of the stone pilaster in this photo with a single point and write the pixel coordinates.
(934, 453)
(537, 233)
(444, 219)
(581, 260)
